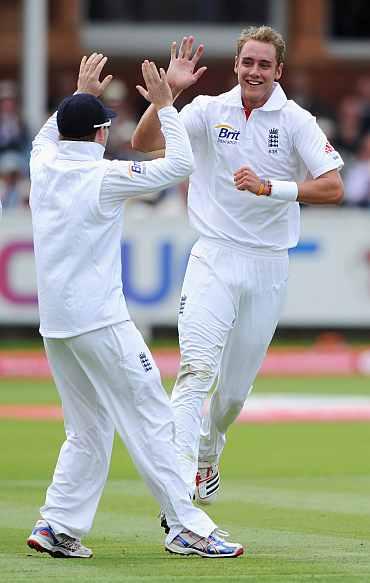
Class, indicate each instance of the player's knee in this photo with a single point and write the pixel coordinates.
(93, 442)
(234, 406)
(198, 376)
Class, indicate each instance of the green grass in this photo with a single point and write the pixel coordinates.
(297, 495)
(43, 391)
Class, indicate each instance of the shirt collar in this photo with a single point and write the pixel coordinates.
(80, 151)
(276, 100)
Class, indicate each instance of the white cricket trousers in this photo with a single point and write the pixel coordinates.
(107, 380)
(230, 305)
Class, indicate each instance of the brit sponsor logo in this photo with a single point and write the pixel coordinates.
(273, 140)
(227, 134)
(136, 168)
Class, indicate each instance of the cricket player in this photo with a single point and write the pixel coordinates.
(257, 155)
(104, 372)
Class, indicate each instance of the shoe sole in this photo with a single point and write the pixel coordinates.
(36, 546)
(189, 552)
(208, 500)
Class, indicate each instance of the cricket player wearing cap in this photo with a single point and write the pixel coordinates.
(257, 155)
(103, 370)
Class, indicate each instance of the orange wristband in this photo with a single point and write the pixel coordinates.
(261, 188)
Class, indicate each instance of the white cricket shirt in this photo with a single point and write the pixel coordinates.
(76, 203)
(280, 141)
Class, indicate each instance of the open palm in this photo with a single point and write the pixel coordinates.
(180, 72)
(90, 70)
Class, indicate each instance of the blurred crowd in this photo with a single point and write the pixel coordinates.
(347, 127)
(15, 143)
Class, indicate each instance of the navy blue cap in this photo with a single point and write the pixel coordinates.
(81, 114)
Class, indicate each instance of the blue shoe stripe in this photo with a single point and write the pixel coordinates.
(41, 530)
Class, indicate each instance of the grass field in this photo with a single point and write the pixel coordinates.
(297, 495)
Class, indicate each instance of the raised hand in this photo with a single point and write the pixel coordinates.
(180, 72)
(88, 78)
(157, 89)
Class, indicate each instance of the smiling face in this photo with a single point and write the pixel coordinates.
(257, 69)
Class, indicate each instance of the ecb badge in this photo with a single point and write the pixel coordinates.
(273, 140)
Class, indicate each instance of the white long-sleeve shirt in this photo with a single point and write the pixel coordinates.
(76, 203)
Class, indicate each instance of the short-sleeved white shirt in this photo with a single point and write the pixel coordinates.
(279, 140)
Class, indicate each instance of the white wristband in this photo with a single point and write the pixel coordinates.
(284, 190)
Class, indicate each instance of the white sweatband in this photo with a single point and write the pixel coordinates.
(284, 190)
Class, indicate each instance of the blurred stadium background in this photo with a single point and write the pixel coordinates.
(296, 470)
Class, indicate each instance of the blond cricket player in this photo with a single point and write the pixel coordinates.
(257, 156)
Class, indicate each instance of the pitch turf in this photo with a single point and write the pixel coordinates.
(297, 495)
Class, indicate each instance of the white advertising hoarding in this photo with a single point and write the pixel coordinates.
(329, 270)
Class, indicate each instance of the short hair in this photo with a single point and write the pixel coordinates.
(263, 34)
(89, 138)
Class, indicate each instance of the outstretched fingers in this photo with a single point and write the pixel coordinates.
(143, 92)
(90, 61)
(147, 72)
(157, 90)
(173, 50)
(198, 53)
(185, 49)
(199, 73)
(90, 70)
(97, 61)
(154, 71)
(99, 66)
(82, 64)
(105, 82)
(182, 48)
(189, 47)
(150, 73)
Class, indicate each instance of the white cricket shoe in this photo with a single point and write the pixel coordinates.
(212, 546)
(207, 483)
(60, 546)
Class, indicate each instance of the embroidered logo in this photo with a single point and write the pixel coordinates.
(136, 168)
(182, 305)
(227, 134)
(273, 140)
(147, 365)
(329, 148)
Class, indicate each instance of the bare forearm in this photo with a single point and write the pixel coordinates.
(147, 136)
(325, 190)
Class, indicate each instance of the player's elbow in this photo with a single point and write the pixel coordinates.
(190, 164)
(143, 142)
(186, 166)
(337, 192)
(334, 190)
(339, 197)
(182, 164)
(137, 144)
